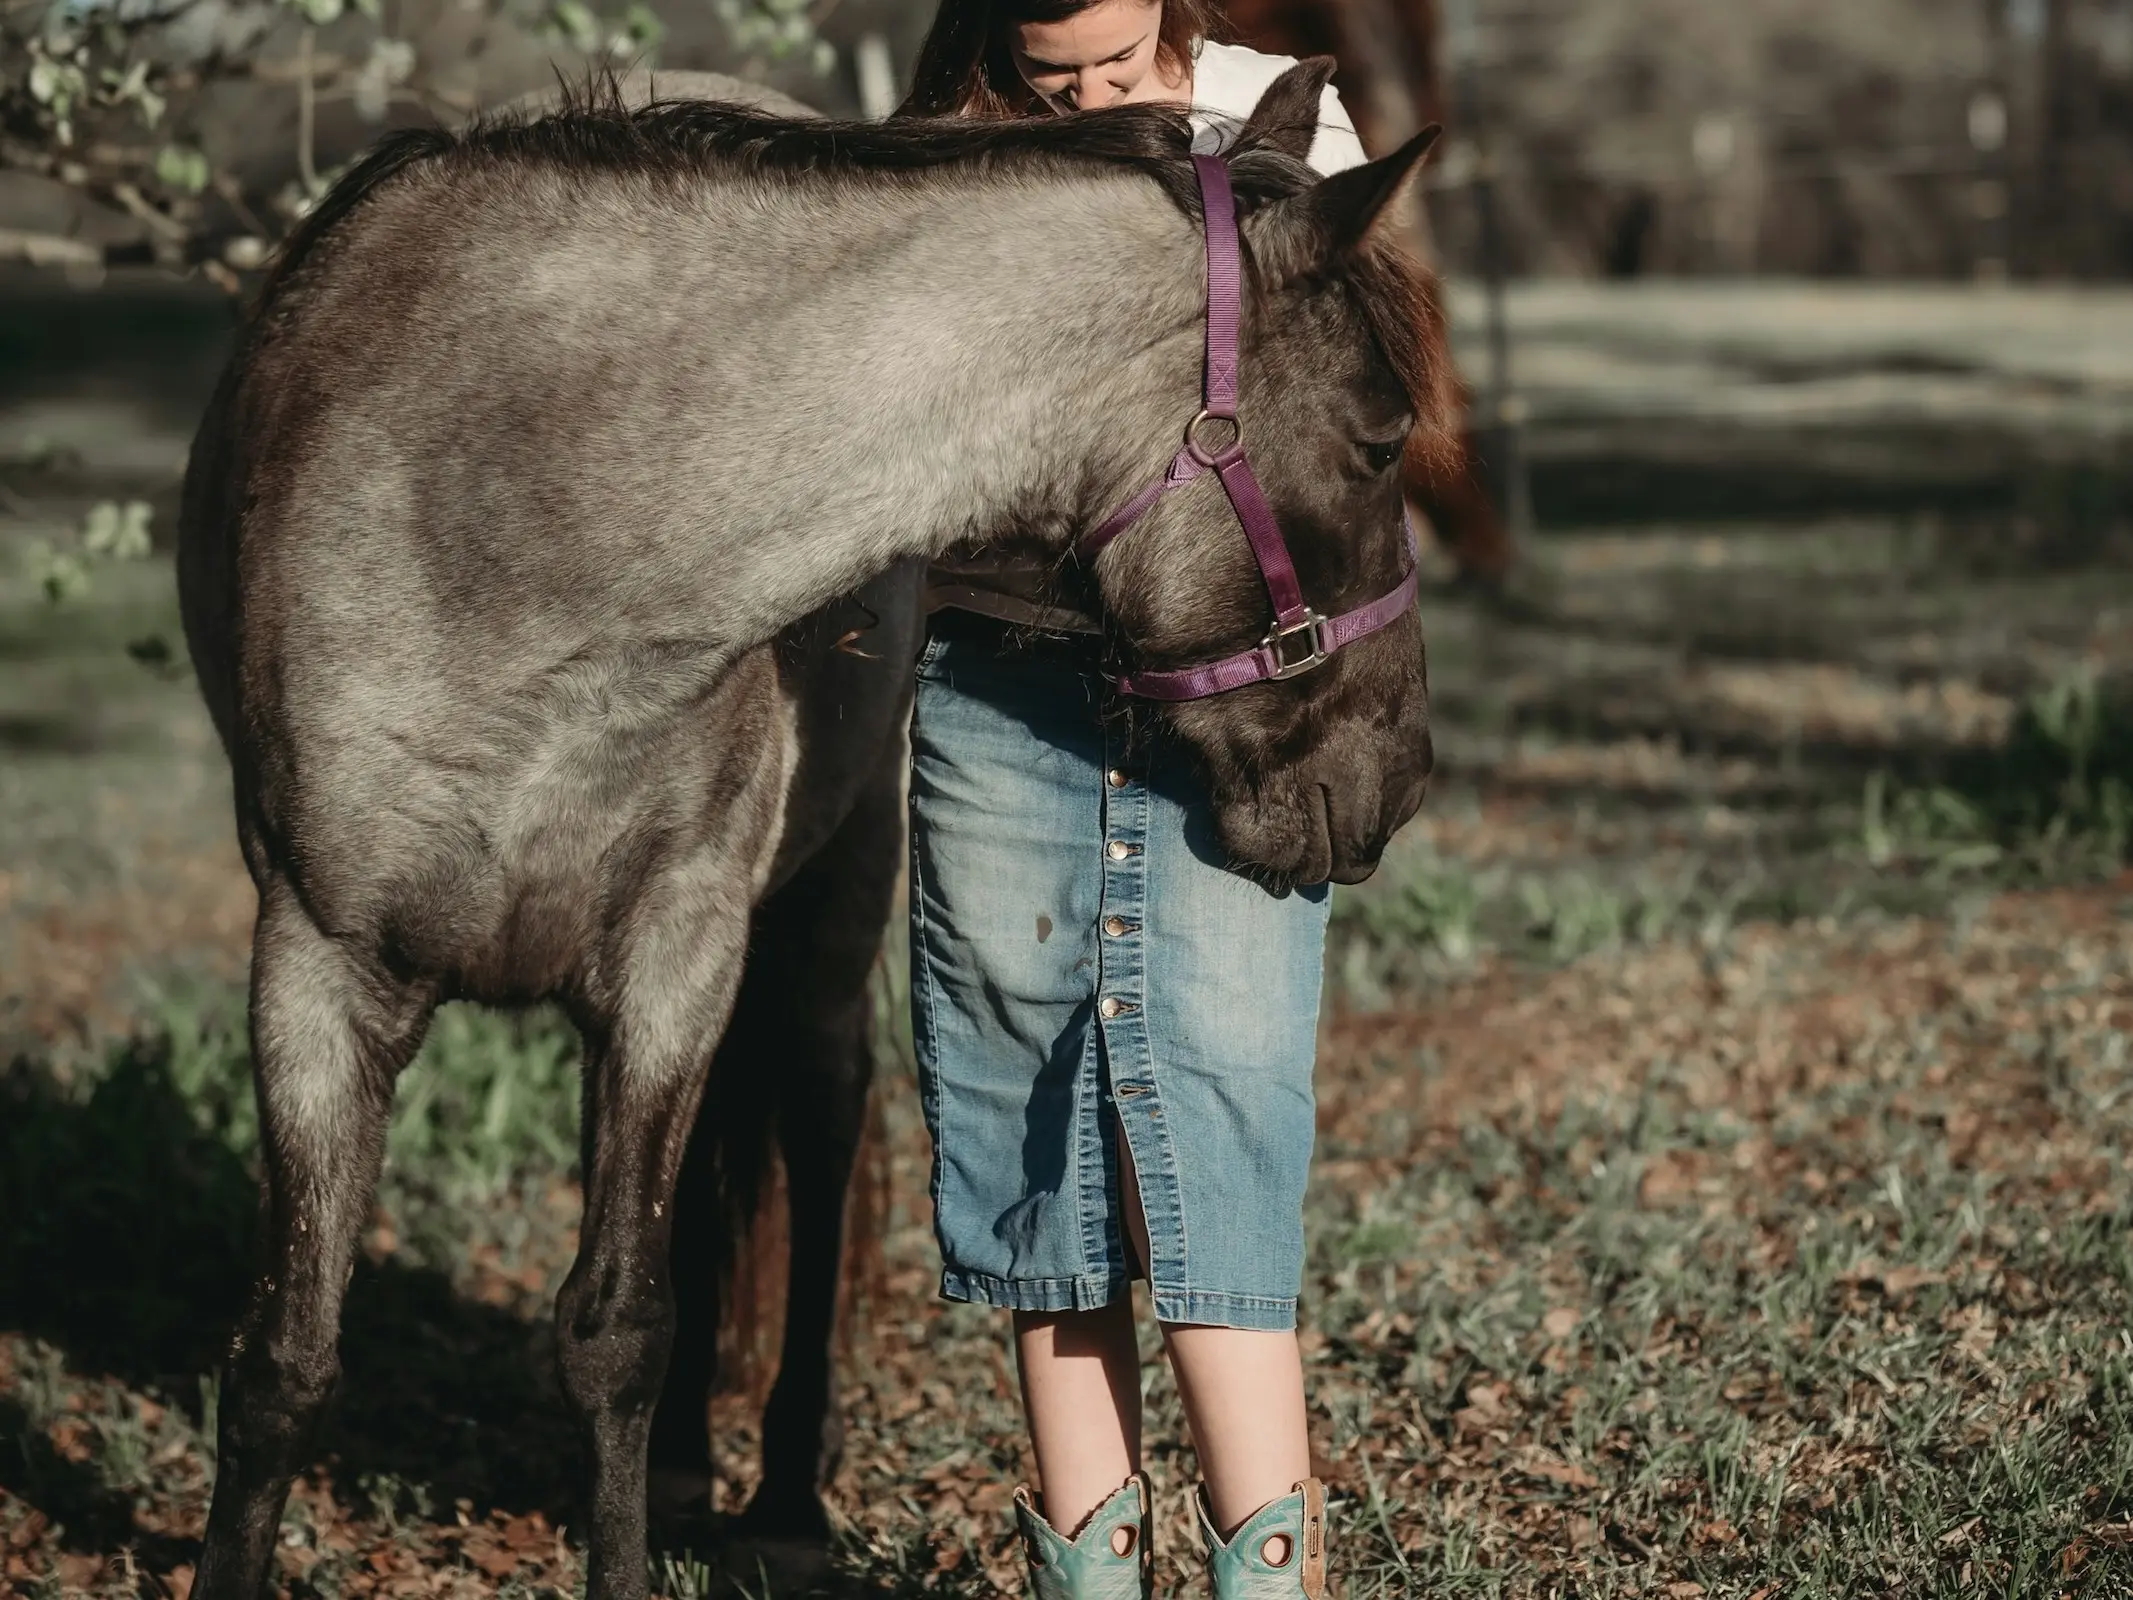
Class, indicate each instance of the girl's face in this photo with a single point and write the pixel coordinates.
(1101, 56)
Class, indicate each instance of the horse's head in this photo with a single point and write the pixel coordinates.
(1343, 373)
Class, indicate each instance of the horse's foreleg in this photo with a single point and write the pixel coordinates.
(815, 945)
(330, 1034)
(681, 1425)
(646, 1061)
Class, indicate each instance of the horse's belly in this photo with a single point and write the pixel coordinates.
(499, 851)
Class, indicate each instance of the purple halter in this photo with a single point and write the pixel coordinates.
(1300, 638)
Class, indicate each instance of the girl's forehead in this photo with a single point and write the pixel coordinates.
(1091, 35)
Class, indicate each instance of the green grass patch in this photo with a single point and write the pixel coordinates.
(2056, 797)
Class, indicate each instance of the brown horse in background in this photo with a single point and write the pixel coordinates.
(1392, 80)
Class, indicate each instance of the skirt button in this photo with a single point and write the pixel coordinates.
(1115, 926)
(1115, 778)
(1110, 1005)
(1118, 850)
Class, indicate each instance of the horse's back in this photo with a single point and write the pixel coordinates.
(465, 766)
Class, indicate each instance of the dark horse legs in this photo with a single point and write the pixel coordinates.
(330, 1036)
(794, 1066)
(647, 1055)
(332, 1032)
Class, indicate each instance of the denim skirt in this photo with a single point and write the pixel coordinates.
(1083, 964)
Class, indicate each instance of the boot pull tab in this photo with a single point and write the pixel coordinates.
(1312, 1578)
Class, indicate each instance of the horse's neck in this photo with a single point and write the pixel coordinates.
(944, 365)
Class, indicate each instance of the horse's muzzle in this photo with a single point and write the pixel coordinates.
(1328, 820)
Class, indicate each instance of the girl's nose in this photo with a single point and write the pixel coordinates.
(1092, 91)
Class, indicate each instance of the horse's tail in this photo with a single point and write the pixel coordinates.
(391, 156)
(756, 1267)
(744, 1189)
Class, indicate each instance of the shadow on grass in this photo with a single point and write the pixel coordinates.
(128, 1214)
(127, 1232)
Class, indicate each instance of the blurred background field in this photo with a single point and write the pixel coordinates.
(1725, 1090)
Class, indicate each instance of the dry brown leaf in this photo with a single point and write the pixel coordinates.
(1688, 1589)
(495, 1560)
(70, 1437)
(1906, 1280)
(1669, 1179)
(1487, 1398)
(1562, 1322)
(1546, 1464)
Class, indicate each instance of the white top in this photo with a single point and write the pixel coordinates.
(1227, 81)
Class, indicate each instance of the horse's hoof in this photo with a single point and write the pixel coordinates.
(784, 1519)
(672, 1493)
(781, 1567)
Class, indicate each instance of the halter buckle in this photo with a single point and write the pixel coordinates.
(1277, 640)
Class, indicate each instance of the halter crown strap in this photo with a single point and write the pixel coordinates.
(1275, 657)
(1225, 285)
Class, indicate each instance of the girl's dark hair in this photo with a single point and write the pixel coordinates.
(966, 67)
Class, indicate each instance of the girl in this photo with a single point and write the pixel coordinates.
(1115, 1033)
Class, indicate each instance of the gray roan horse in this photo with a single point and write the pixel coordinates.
(516, 545)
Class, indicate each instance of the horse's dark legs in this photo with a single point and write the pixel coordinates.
(646, 1060)
(329, 1035)
(793, 1065)
(825, 931)
(680, 1453)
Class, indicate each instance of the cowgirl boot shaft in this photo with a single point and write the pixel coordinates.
(1293, 1527)
(1091, 1566)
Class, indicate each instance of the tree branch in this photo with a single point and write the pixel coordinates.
(56, 250)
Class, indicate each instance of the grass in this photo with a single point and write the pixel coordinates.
(1723, 1109)
(1772, 1279)
(2055, 797)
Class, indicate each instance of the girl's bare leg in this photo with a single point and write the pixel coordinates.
(1244, 1396)
(1081, 1388)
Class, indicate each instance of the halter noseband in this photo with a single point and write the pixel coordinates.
(1300, 638)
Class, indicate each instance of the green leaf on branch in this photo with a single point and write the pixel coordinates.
(117, 532)
(641, 24)
(61, 574)
(575, 24)
(57, 84)
(182, 167)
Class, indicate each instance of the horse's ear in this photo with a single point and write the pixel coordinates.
(1338, 215)
(1286, 117)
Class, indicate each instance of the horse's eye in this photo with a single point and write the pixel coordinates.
(1383, 454)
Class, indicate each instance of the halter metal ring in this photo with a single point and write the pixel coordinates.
(1311, 629)
(1198, 451)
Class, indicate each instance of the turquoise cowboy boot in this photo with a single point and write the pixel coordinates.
(1295, 1525)
(1091, 1567)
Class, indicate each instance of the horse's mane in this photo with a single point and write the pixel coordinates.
(595, 129)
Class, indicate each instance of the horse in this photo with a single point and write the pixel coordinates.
(509, 547)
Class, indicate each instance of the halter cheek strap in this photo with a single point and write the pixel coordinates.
(1300, 638)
